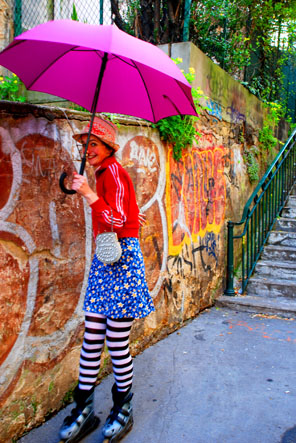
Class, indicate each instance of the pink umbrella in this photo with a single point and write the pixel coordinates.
(100, 68)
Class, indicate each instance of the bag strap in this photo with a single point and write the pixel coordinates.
(111, 219)
(98, 173)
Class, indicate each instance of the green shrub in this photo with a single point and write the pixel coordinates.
(9, 89)
(181, 130)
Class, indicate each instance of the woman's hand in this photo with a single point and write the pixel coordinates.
(81, 186)
(142, 219)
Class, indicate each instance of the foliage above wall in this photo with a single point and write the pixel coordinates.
(181, 130)
(266, 135)
(252, 40)
(156, 21)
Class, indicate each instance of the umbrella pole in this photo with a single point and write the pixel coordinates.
(93, 110)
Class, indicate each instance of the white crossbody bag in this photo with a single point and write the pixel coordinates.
(108, 249)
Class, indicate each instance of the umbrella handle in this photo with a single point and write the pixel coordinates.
(63, 187)
(93, 110)
(64, 175)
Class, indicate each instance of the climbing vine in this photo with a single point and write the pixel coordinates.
(267, 142)
(252, 165)
(266, 136)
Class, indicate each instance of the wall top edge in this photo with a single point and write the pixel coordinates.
(53, 112)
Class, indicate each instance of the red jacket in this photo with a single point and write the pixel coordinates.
(115, 190)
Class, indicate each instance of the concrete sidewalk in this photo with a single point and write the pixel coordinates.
(226, 377)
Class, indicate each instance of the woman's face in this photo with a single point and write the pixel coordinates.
(97, 151)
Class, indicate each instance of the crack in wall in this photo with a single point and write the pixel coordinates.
(22, 257)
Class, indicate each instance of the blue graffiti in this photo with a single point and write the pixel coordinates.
(235, 115)
(210, 244)
(214, 109)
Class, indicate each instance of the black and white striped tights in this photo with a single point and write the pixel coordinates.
(116, 331)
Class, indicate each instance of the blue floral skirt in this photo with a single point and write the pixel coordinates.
(119, 290)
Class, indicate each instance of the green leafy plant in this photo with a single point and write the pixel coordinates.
(267, 141)
(77, 107)
(181, 130)
(266, 135)
(266, 138)
(252, 166)
(74, 15)
(292, 125)
(9, 89)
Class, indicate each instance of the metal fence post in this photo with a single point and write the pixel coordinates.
(230, 266)
(18, 29)
(101, 12)
(186, 20)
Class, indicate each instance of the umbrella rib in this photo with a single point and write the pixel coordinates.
(124, 61)
(144, 83)
(165, 96)
(50, 65)
(174, 105)
(192, 104)
(12, 45)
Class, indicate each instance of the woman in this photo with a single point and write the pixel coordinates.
(116, 293)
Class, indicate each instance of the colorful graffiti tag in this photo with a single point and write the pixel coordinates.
(195, 194)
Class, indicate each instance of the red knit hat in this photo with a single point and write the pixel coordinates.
(104, 130)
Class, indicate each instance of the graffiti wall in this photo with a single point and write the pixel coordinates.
(44, 239)
(46, 244)
(196, 194)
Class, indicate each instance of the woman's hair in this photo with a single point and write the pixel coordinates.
(111, 150)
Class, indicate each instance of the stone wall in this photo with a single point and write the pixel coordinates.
(6, 26)
(46, 238)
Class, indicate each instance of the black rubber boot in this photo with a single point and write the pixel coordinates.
(120, 420)
(82, 420)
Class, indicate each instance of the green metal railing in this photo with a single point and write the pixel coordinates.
(260, 213)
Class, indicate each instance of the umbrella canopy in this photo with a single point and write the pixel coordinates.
(100, 68)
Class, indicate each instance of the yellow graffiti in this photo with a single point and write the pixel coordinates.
(195, 196)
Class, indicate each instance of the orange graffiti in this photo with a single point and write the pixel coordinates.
(280, 335)
(195, 195)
